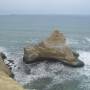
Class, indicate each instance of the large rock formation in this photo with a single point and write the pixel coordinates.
(7, 83)
(54, 47)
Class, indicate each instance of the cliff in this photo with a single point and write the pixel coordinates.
(6, 82)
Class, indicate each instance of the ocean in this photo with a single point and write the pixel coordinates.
(18, 31)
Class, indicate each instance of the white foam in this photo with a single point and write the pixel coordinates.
(72, 41)
(38, 71)
(56, 71)
(85, 57)
(4, 50)
(87, 39)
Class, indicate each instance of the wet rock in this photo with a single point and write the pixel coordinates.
(11, 61)
(2, 55)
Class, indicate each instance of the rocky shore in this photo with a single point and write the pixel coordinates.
(6, 81)
(53, 48)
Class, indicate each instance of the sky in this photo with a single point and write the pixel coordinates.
(78, 7)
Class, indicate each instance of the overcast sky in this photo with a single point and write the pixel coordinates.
(45, 7)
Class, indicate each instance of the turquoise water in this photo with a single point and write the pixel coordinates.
(18, 31)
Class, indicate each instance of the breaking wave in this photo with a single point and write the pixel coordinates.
(87, 39)
(85, 56)
(51, 75)
(4, 50)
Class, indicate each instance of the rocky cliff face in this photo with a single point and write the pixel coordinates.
(54, 47)
(7, 83)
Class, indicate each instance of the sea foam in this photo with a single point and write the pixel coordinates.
(85, 57)
(87, 39)
(4, 50)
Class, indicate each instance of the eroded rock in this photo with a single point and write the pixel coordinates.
(54, 47)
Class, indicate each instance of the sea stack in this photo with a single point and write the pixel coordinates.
(52, 48)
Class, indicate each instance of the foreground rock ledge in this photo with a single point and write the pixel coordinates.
(52, 48)
(6, 82)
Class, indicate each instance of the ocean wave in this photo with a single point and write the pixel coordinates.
(36, 71)
(4, 50)
(85, 56)
(11, 41)
(51, 74)
(87, 39)
(72, 41)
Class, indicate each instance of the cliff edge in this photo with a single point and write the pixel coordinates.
(6, 82)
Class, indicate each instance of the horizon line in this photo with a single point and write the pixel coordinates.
(48, 14)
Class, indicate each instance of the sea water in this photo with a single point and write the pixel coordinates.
(18, 31)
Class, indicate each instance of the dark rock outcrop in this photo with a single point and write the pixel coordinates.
(2, 55)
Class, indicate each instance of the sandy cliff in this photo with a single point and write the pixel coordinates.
(6, 82)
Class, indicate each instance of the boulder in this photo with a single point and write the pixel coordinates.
(3, 56)
(54, 47)
(6, 82)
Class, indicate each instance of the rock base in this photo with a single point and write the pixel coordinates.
(77, 63)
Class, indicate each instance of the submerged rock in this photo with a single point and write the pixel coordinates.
(54, 47)
(6, 82)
